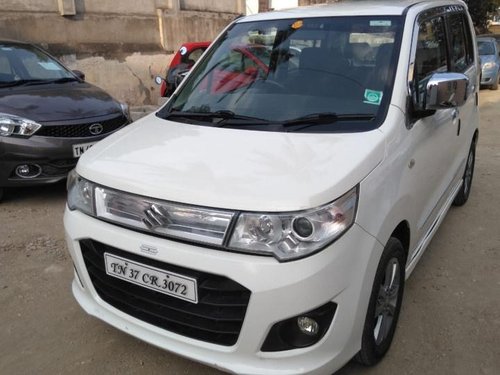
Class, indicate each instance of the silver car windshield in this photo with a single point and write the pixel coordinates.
(293, 72)
(486, 48)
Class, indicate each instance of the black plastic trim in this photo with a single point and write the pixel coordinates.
(286, 335)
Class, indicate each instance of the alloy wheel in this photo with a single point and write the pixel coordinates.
(468, 172)
(387, 300)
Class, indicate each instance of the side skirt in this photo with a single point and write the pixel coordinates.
(422, 245)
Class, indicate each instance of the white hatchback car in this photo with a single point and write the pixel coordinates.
(266, 218)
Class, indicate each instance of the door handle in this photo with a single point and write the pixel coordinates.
(456, 120)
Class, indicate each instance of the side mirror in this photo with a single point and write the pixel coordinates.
(159, 80)
(446, 90)
(79, 74)
(179, 77)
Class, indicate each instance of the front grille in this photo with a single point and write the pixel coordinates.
(217, 317)
(81, 130)
(58, 167)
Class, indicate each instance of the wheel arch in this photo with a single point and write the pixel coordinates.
(475, 137)
(402, 232)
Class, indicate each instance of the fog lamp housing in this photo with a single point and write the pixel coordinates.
(28, 170)
(300, 331)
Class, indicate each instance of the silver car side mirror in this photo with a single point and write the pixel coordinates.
(446, 90)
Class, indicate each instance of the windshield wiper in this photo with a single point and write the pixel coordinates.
(222, 115)
(21, 82)
(30, 82)
(326, 118)
(62, 80)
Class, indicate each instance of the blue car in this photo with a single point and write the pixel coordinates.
(490, 62)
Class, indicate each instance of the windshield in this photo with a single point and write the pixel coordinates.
(22, 63)
(283, 70)
(486, 48)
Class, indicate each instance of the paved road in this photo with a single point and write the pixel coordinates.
(450, 323)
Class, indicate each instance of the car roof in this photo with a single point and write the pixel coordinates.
(486, 39)
(494, 36)
(349, 8)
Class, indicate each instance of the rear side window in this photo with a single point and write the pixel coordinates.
(431, 54)
(461, 43)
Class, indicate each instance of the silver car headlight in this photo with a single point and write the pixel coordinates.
(489, 65)
(294, 235)
(11, 125)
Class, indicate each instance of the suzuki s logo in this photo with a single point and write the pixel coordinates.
(155, 217)
(95, 129)
(149, 249)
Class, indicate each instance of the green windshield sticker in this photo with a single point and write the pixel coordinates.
(380, 23)
(373, 97)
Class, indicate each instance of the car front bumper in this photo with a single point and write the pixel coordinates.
(53, 155)
(342, 273)
(488, 76)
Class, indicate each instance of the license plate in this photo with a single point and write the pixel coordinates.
(153, 278)
(79, 149)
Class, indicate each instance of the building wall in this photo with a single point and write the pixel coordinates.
(224, 6)
(313, 2)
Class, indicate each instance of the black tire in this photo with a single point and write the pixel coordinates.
(494, 86)
(385, 304)
(1, 194)
(464, 192)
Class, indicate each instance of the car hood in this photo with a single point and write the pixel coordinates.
(231, 168)
(56, 102)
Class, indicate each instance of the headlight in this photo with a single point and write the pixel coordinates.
(126, 111)
(80, 193)
(293, 235)
(196, 224)
(286, 236)
(17, 126)
(489, 65)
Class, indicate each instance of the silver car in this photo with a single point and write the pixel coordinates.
(490, 62)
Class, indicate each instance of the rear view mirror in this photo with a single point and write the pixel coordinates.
(79, 74)
(158, 80)
(446, 90)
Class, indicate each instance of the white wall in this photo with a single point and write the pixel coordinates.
(252, 6)
(283, 4)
